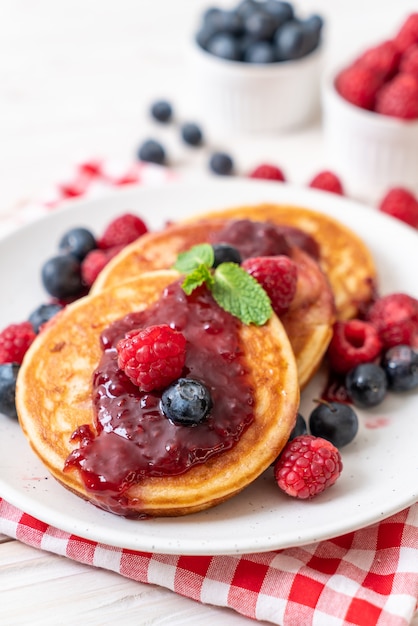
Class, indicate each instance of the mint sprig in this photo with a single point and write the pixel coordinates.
(232, 287)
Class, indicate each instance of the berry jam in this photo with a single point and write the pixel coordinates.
(134, 439)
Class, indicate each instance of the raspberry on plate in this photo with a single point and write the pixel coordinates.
(95, 261)
(327, 181)
(307, 466)
(122, 230)
(15, 339)
(402, 204)
(278, 276)
(353, 342)
(152, 357)
(267, 171)
(395, 318)
(359, 85)
(399, 97)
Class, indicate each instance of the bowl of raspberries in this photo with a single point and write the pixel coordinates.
(370, 115)
(257, 66)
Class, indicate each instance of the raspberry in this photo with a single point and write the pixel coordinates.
(359, 85)
(327, 181)
(382, 59)
(267, 172)
(95, 261)
(278, 275)
(402, 204)
(122, 230)
(353, 342)
(395, 318)
(408, 33)
(409, 61)
(399, 97)
(15, 339)
(307, 466)
(152, 357)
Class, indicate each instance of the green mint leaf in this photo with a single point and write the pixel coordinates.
(240, 294)
(197, 277)
(199, 255)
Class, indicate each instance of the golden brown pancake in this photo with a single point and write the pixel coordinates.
(54, 398)
(310, 317)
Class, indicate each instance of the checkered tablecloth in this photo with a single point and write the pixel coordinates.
(364, 578)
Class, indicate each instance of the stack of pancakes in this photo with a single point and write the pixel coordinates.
(53, 395)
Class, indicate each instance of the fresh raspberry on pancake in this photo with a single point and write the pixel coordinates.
(15, 339)
(307, 466)
(395, 318)
(278, 276)
(152, 357)
(353, 342)
(122, 230)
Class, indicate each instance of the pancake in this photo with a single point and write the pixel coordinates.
(54, 399)
(308, 321)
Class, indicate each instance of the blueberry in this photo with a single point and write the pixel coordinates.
(334, 421)
(260, 25)
(246, 7)
(61, 276)
(401, 366)
(78, 241)
(191, 134)
(312, 28)
(221, 21)
(186, 402)
(221, 163)
(260, 52)
(281, 11)
(162, 111)
(152, 151)
(290, 41)
(366, 385)
(225, 46)
(225, 253)
(8, 377)
(300, 427)
(43, 314)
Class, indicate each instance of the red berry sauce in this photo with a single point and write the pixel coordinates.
(134, 438)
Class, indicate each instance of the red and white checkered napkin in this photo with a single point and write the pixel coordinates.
(365, 578)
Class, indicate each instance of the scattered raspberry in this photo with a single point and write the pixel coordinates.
(152, 357)
(278, 275)
(402, 204)
(327, 181)
(95, 261)
(307, 466)
(399, 97)
(409, 61)
(122, 230)
(359, 85)
(353, 342)
(395, 318)
(15, 339)
(408, 33)
(268, 172)
(382, 59)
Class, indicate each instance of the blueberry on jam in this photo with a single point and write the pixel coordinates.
(225, 253)
(186, 402)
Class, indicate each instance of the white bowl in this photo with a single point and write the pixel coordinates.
(233, 96)
(370, 152)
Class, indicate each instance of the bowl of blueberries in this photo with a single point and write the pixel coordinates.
(257, 66)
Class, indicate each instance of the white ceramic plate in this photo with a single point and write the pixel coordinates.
(380, 466)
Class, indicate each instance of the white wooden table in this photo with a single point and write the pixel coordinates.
(76, 81)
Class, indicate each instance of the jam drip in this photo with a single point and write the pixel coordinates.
(134, 439)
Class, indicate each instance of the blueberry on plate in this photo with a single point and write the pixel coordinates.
(77, 241)
(221, 163)
(366, 385)
(186, 402)
(8, 377)
(151, 151)
(42, 314)
(61, 276)
(334, 421)
(191, 134)
(225, 253)
(401, 366)
(162, 111)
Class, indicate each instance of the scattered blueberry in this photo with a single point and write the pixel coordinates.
(401, 366)
(366, 385)
(186, 402)
(61, 276)
(300, 427)
(191, 134)
(78, 241)
(162, 111)
(225, 253)
(152, 151)
(8, 377)
(43, 314)
(221, 163)
(334, 421)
